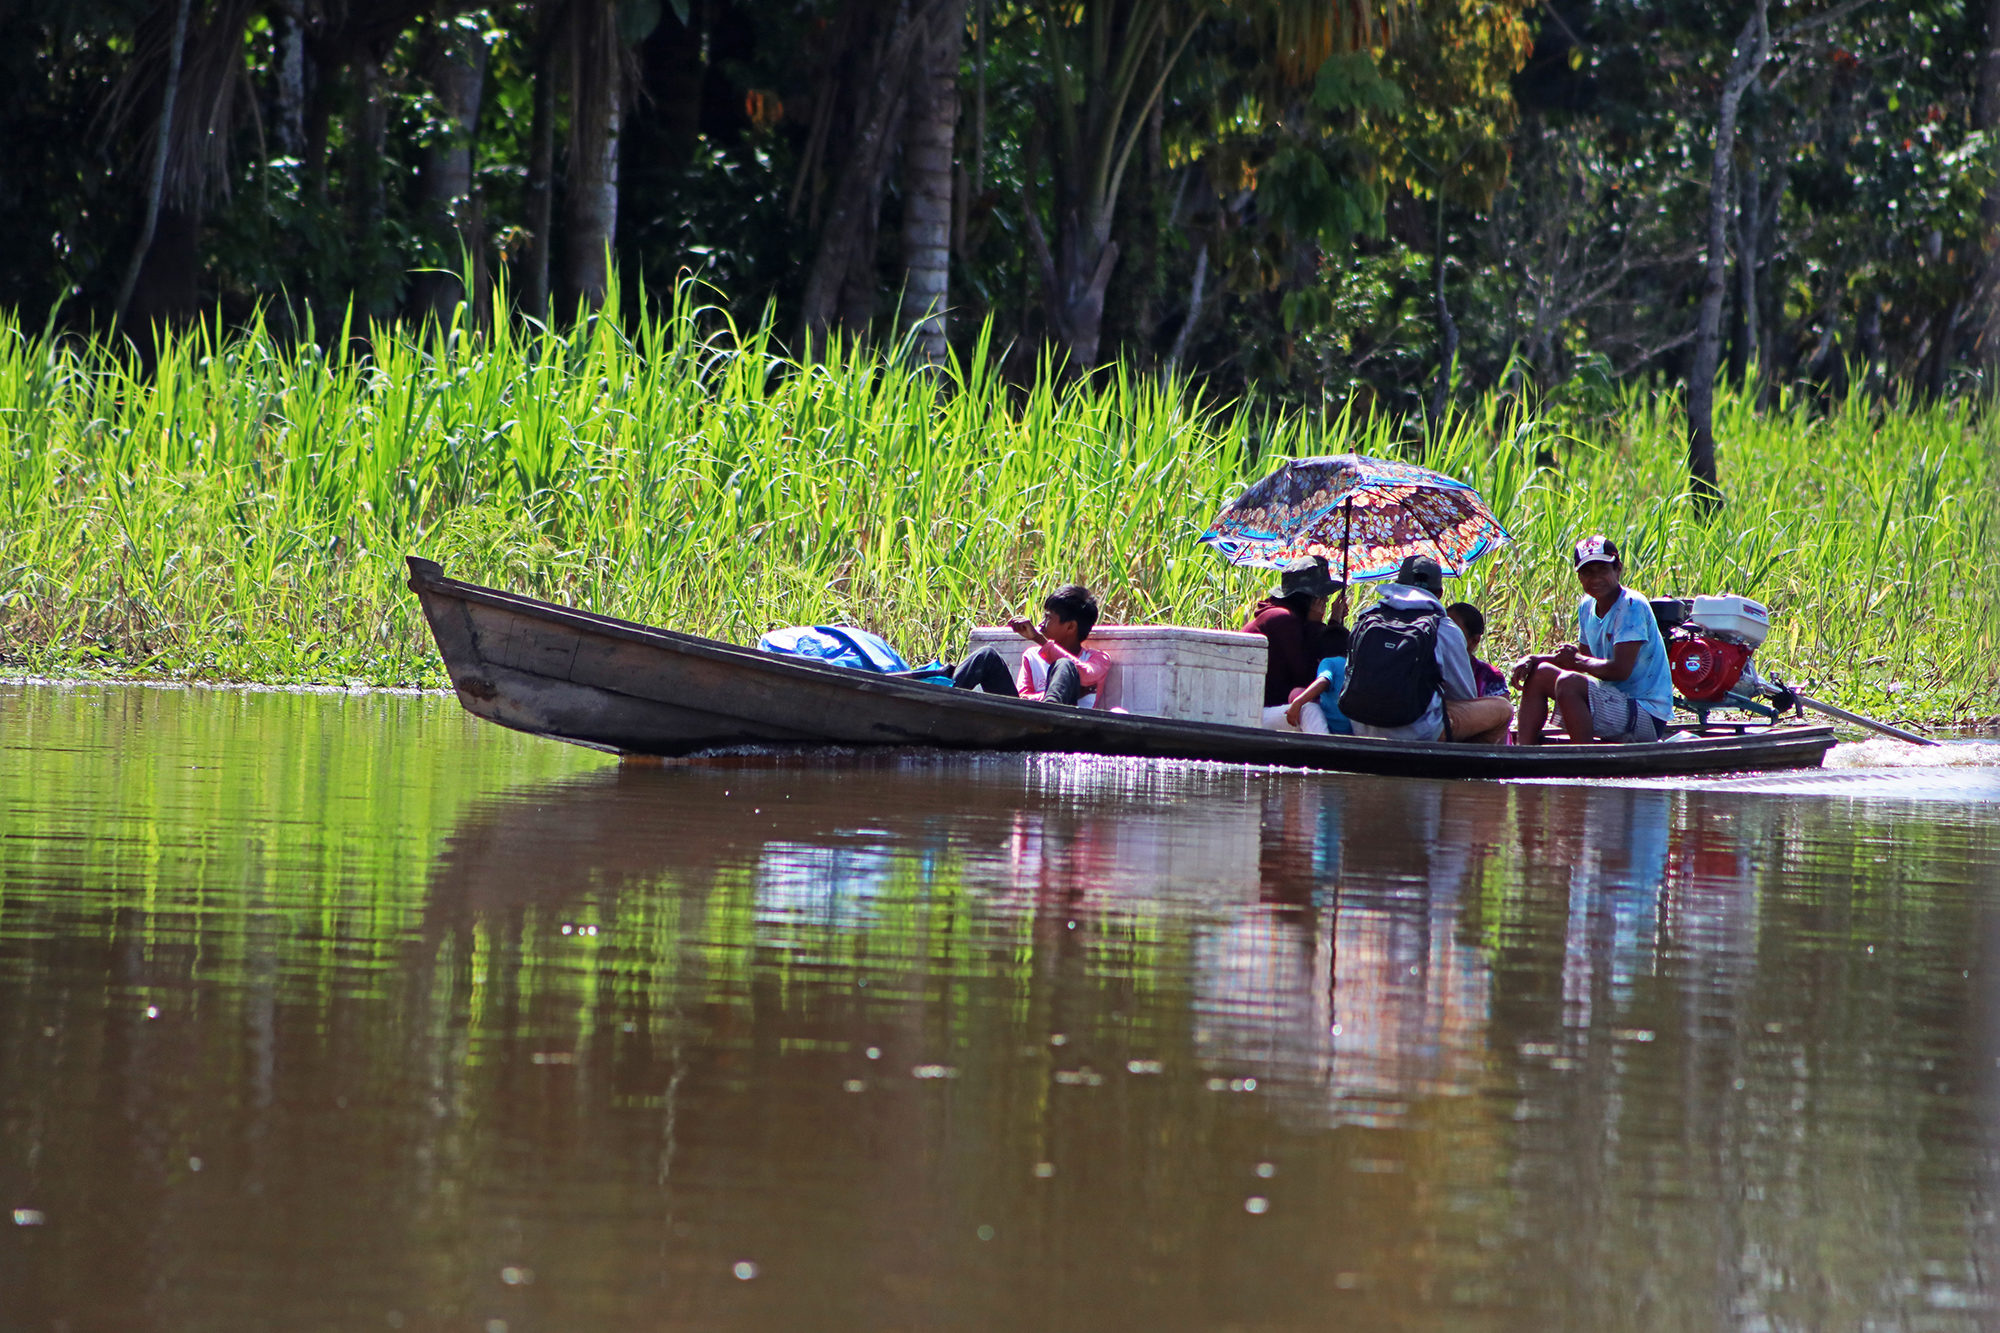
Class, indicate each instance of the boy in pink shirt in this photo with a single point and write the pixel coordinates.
(1058, 669)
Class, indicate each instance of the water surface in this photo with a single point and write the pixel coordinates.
(346, 1012)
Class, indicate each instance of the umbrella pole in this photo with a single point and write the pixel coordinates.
(1345, 537)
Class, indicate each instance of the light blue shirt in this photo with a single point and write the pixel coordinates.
(1630, 620)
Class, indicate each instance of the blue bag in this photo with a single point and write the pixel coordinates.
(846, 646)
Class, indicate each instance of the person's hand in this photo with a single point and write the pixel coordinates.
(1337, 608)
(1025, 628)
(1565, 657)
(1523, 669)
(1294, 711)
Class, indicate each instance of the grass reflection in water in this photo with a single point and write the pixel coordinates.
(318, 1011)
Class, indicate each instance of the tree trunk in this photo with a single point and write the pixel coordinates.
(1099, 103)
(1825, 370)
(930, 127)
(979, 101)
(1075, 274)
(1986, 115)
(321, 90)
(846, 236)
(1770, 290)
(1749, 227)
(455, 60)
(156, 175)
(1131, 302)
(861, 290)
(540, 191)
(1753, 47)
(1868, 338)
(675, 65)
(168, 290)
(597, 75)
(1178, 354)
(1447, 326)
(289, 37)
(371, 131)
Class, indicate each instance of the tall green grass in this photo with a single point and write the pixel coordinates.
(240, 510)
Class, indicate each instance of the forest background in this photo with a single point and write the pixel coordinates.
(1153, 243)
(1304, 199)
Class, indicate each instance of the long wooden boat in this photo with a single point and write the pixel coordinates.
(614, 685)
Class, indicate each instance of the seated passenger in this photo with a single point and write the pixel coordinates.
(1059, 669)
(1292, 620)
(1321, 697)
(1486, 676)
(1613, 683)
(1409, 677)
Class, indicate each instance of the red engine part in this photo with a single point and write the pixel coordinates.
(1705, 669)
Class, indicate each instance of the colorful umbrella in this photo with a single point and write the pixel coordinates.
(1363, 514)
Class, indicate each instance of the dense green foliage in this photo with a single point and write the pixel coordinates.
(241, 511)
(1278, 220)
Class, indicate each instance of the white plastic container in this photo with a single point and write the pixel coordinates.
(1736, 616)
(1193, 675)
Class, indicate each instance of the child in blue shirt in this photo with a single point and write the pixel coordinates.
(1322, 694)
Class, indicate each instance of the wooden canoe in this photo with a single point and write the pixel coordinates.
(614, 685)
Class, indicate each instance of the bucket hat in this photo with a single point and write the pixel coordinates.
(1308, 577)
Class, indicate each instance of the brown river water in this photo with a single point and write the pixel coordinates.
(350, 1013)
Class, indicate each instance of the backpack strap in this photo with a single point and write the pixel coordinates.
(1437, 624)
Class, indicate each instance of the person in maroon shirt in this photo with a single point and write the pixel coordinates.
(1294, 620)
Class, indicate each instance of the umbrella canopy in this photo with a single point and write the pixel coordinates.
(1363, 514)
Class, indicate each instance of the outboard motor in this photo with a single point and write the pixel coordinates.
(1710, 646)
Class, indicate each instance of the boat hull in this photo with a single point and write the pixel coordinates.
(593, 680)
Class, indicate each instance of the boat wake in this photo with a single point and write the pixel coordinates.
(1885, 770)
(1881, 752)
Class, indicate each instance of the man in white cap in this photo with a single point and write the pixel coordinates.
(1613, 683)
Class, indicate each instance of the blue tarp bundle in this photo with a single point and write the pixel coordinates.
(847, 646)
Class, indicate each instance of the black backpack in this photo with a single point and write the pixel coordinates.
(1392, 667)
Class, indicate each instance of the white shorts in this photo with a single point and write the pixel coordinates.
(1615, 716)
(1312, 719)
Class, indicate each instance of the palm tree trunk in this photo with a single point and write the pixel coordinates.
(930, 126)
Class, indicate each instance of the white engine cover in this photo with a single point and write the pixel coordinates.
(1736, 617)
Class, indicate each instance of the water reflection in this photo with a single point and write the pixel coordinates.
(1349, 983)
(1003, 1043)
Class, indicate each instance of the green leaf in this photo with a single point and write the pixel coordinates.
(1353, 82)
(638, 18)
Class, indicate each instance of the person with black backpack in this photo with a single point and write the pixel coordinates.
(1409, 676)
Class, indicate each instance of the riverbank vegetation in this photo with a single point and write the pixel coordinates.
(240, 509)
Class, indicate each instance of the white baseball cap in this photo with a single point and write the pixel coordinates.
(1596, 549)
